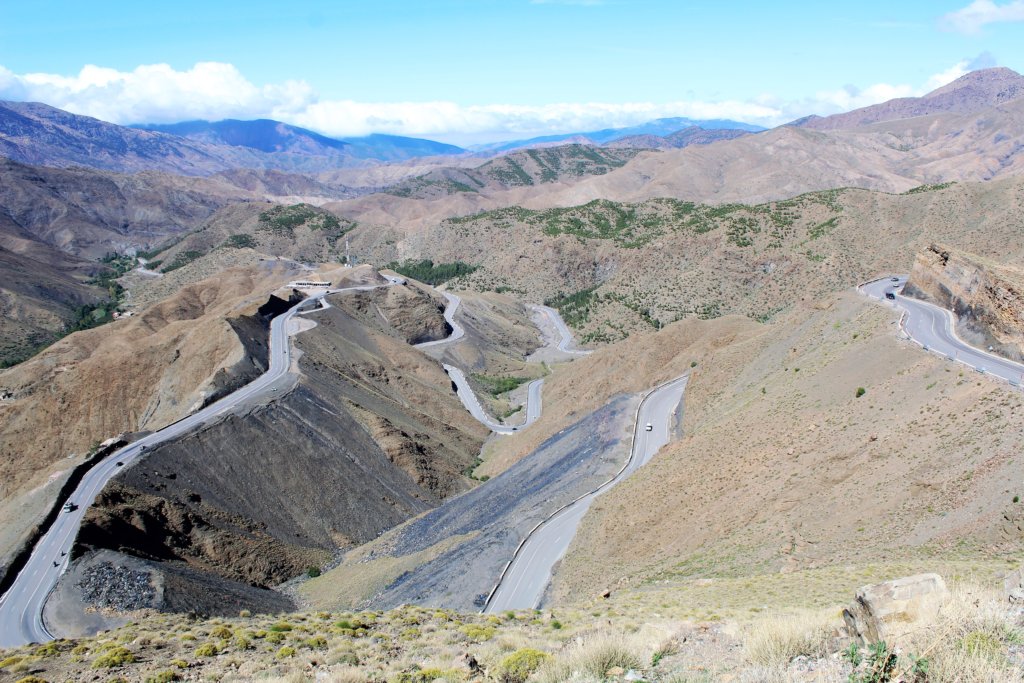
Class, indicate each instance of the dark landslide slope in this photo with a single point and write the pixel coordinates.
(369, 436)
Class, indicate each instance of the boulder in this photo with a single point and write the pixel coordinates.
(910, 601)
(1013, 586)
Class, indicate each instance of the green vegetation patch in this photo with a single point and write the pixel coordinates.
(240, 242)
(183, 258)
(431, 273)
(283, 220)
(929, 188)
(496, 385)
(575, 308)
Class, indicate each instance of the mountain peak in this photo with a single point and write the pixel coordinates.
(992, 86)
(971, 93)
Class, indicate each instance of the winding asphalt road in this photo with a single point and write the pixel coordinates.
(449, 314)
(933, 327)
(522, 584)
(466, 394)
(21, 607)
(566, 343)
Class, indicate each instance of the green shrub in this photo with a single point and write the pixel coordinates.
(221, 632)
(10, 661)
(861, 391)
(50, 649)
(207, 650)
(517, 667)
(114, 656)
(281, 627)
(164, 677)
(179, 663)
(477, 632)
(313, 572)
(285, 652)
(427, 675)
(315, 643)
(32, 679)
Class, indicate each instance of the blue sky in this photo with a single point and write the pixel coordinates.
(472, 70)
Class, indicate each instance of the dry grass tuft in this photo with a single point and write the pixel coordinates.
(591, 659)
(776, 640)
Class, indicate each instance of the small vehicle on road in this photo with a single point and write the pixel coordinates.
(894, 279)
(890, 295)
(120, 463)
(70, 507)
(648, 427)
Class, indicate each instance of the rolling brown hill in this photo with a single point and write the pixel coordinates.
(615, 268)
(522, 168)
(131, 375)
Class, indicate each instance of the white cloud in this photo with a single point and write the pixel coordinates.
(156, 93)
(979, 13)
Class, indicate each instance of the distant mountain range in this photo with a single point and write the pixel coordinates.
(39, 134)
(274, 137)
(658, 127)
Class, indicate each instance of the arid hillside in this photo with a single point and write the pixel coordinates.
(136, 374)
(614, 268)
(917, 467)
(370, 435)
(298, 231)
(526, 168)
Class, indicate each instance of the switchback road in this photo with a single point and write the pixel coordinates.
(934, 329)
(21, 607)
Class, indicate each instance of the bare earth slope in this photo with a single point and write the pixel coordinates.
(922, 464)
(371, 435)
(135, 374)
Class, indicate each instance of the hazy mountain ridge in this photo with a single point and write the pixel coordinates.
(35, 133)
(269, 136)
(659, 127)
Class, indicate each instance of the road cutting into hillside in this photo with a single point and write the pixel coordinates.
(526, 577)
(934, 328)
(21, 607)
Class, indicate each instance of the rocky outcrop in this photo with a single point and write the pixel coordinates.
(881, 609)
(988, 298)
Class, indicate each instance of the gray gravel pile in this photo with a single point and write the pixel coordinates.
(119, 588)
